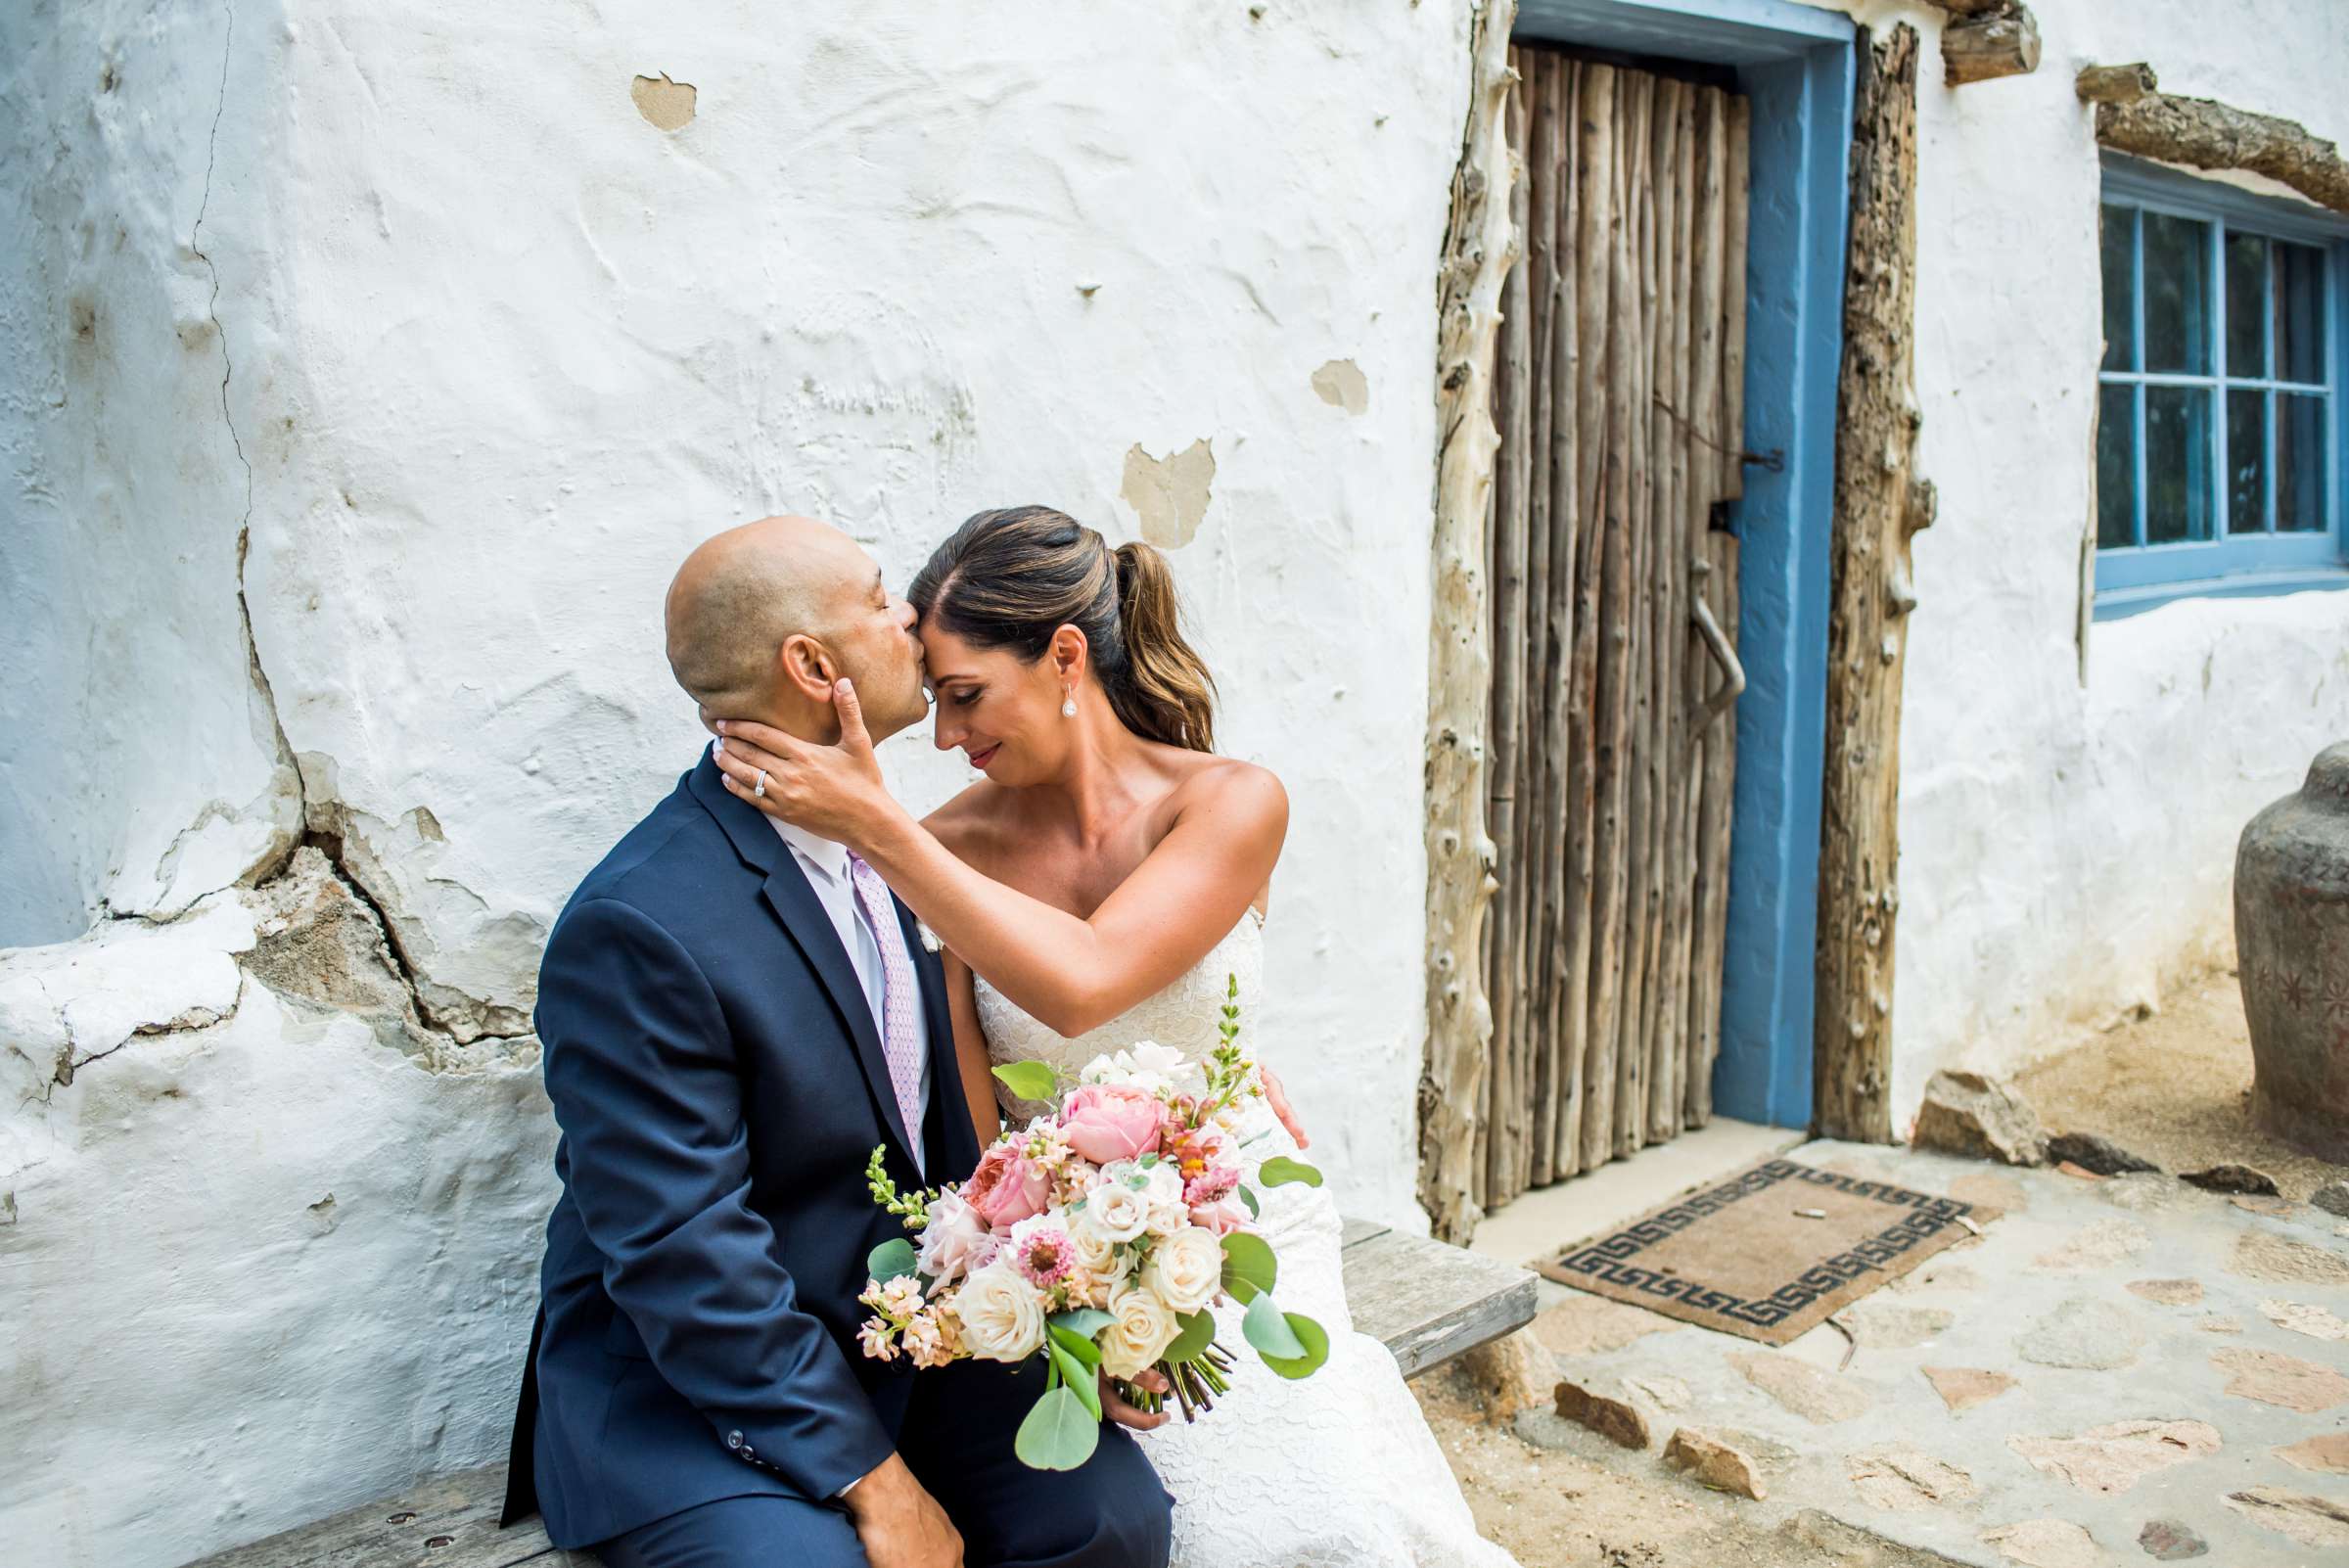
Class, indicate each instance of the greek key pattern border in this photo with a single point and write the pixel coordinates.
(1615, 1259)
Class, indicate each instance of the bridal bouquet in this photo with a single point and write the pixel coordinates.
(1097, 1236)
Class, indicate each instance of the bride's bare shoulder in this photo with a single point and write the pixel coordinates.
(1238, 795)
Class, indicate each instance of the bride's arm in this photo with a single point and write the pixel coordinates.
(1069, 974)
(970, 1051)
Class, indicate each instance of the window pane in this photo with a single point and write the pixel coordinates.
(2120, 288)
(2300, 461)
(2246, 462)
(2116, 466)
(2299, 312)
(2177, 461)
(2177, 295)
(2247, 307)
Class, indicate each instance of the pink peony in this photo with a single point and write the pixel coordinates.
(1108, 1122)
(1222, 1217)
(1007, 1187)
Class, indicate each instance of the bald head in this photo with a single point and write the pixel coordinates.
(741, 595)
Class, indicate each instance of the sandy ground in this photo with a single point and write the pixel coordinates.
(2171, 1088)
(1555, 1508)
(2174, 1087)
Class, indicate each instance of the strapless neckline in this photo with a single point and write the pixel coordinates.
(1186, 1015)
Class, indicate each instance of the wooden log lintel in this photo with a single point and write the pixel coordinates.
(2200, 133)
(2115, 84)
(1991, 44)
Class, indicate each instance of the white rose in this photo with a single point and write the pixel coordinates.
(1096, 1070)
(1149, 1056)
(1117, 1212)
(1095, 1253)
(1186, 1268)
(1002, 1316)
(1143, 1327)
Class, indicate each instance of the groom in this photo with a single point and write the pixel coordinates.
(735, 1012)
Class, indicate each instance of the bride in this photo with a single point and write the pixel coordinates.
(1104, 883)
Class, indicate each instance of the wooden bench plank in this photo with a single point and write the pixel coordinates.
(447, 1522)
(1430, 1302)
(1361, 1230)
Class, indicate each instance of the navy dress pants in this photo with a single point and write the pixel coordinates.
(1109, 1513)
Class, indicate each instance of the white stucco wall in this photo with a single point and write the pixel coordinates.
(2067, 847)
(495, 351)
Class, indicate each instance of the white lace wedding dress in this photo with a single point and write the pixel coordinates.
(1336, 1470)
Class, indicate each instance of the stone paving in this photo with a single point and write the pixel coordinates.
(2118, 1370)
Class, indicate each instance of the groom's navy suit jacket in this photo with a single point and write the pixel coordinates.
(720, 1083)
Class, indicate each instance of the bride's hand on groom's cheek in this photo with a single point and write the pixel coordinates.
(835, 791)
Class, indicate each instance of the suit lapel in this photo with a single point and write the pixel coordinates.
(803, 915)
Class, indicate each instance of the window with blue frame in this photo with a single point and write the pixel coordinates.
(2220, 411)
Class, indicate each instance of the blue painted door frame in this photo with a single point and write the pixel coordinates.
(1796, 64)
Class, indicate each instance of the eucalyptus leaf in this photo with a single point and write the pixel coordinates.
(1080, 1379)
(1059, 1434)
(1083, 1321)
(1249, 1268)
(1316, 1340)
(1029, 1080)
(1198, 1331)
(1255, 1210)
(891, 1260)
(1269, 1332)
(1280, 1169)
(1077, 1346)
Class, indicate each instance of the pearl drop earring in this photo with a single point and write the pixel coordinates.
(1068, 703)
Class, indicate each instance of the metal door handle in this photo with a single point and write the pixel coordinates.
(1733, 672)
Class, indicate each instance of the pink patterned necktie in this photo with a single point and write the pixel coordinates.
(899, 1041)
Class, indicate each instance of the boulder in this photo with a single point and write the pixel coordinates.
(2094, 1151)
(1618, 1420)
(1979, 1117)
(1715, 1462)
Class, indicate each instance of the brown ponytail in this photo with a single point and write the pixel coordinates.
(1011, 578)
(1167, 693)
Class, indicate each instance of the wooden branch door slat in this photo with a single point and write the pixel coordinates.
(1618, 404)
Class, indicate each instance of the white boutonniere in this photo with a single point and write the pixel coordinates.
(929, 937)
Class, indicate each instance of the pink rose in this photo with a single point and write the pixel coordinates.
(954, 1243)
(1007, 1187)
(1222, 1217)
(1107, 1122)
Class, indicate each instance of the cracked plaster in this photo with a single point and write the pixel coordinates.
(364, 387)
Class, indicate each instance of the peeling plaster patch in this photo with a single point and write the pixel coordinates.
(1169, 494)
(667, 104)
(1341, 385)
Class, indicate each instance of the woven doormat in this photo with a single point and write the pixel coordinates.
(1769, 1253)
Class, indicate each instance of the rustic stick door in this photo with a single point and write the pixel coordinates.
(1614, 614)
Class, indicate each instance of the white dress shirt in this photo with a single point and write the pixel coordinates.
(826, 863)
